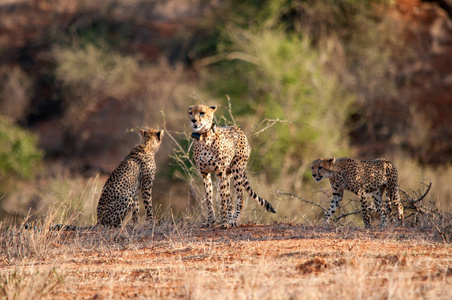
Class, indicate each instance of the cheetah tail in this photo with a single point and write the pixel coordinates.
(63, 227)
(259, 200)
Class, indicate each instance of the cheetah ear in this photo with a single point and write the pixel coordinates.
(190, 107)
(160, 134)
(332, 160)
(142, 133)
(214, 107)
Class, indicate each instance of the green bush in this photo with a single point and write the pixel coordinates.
(281, 76)
(19, 153)
(92, 70)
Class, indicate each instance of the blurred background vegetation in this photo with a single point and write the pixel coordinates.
(305, 79)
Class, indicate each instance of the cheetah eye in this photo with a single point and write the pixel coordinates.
(190, 113)
(201, 113)
(320, 167)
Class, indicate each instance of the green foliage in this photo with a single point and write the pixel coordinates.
(255, 13)
(285, 78)
(92, 69)
(309, 63)
(316, 18)
(19, 153)
(102, 31)
(242, 14)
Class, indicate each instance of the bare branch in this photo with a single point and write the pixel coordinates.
(230, 110)
(441, 234)
(182, 158)
(196, 97)
(270, 123)
(227, 56)
(304, 200)
(411, 201)
(346, 215)
(409, 204)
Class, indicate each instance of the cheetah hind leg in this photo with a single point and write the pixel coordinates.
(378, 198)
(110, 216)
(135, 212)
(238, 185)
(393, 198)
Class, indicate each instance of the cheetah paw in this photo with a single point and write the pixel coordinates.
(208, 224)
(226, 226)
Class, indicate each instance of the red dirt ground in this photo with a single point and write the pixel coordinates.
(252, 261)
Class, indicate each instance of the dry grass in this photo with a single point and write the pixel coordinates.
(412, 176)
(176, 259)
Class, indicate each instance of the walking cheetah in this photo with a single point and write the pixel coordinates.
(360, 177)
(225, 152)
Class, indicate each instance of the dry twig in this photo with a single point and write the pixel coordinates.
(408, 202)
(304, 200)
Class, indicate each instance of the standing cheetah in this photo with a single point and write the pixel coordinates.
(360, 177)
(223, 151)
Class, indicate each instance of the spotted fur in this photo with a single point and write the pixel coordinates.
(225, 152)
(120, 193)
(360, 177)
(136, 172)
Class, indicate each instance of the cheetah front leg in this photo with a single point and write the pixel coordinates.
(146, 194)
(364, 207)
(378, 198)
(226, 201)
(208, 198)
(335, 201)
(394, 197)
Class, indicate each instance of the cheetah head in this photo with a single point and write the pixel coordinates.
(201, 117)
(151, 139)
(322, 168)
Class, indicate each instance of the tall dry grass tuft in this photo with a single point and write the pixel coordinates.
(29, 239)
(33, 283)
(68, 198)
(413, 176)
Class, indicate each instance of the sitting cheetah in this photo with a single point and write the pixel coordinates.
(360, 177)
(224, 151)
(136, 172)
(120, 193)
